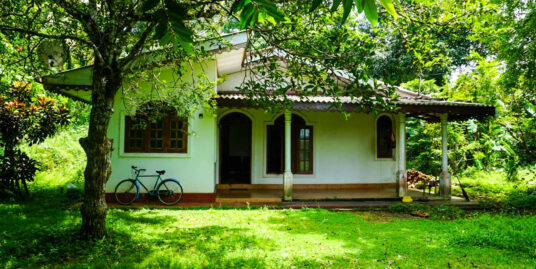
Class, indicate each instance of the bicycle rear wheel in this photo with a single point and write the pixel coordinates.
(169, 192)
(126, 192)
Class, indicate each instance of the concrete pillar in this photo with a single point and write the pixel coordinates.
(402, 176)
(444, 179)
(287, 175)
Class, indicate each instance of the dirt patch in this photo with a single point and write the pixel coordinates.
(381, 216)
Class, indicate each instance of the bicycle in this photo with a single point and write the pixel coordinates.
(168, 191)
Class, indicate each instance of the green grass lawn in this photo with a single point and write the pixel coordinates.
(42, 233)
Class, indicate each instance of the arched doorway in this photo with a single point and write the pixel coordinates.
(235, 149)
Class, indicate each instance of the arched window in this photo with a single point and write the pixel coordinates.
(301, 146)
(385, 138)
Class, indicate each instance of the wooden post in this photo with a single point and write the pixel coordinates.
(287, 175)
(402, 180)
(444, 179)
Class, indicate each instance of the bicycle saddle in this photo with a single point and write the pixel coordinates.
(160, 172)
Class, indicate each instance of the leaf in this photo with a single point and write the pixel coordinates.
(478, 163)
(335, 5)
(370, 11)
(165, 39)
(183, 32)
(187, 46)
(149, 4)
(177, 9)
(161, 29)
(237, 5)
(262, 17)
(271, 19)
(254, 18)
(315, 5)
(173, 30)
(400, 8)
(348, 4)
(272, 9)
(246, 14)
(388, 5)
(360, 4)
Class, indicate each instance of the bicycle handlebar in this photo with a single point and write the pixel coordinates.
(135, 168)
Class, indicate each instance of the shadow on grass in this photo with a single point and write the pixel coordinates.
(33, 235)
(216, 245)
(130, 216)
(42, 230)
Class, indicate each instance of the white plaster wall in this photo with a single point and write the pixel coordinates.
(344, 150)
(194, 169)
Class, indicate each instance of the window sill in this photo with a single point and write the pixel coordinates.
(271, 175)
(384, 159)
(153, 155)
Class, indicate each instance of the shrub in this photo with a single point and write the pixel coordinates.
(62, 159)
(517, 234)
(445, 212)
(24, 118)
(516, 201)
(408, 207)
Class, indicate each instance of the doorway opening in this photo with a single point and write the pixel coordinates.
(235, 149)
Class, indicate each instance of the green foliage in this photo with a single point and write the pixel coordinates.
(521, 201)
(430, 41)
(40, 234)
(338, 65)
(504, 142)
(495, 191)
(445, 212)
(62, 159)
(193, 93)
(427, 87)
(496, 231)
(172, 17)
(24, 119)
(368, 7)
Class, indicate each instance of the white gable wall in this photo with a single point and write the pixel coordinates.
(195, 169)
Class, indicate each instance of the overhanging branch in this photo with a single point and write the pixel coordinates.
(39, 34)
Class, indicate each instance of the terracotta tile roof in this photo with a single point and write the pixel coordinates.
(408, 102)
(405, 100)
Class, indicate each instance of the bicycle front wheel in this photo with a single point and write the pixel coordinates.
(169, 192)
(126, 192)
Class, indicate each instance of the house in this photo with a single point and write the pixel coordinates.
(286, 155)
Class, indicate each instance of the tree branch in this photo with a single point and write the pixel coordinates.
(139, 45)
(35, 33)
(73, 11)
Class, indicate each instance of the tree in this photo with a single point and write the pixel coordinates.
(516, 48)
(115, 33)
(23, 118)
(435, 38)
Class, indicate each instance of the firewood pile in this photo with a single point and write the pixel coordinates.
(419, 180)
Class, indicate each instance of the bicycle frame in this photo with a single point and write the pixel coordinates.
(158, 179)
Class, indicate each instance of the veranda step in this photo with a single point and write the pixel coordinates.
(230, 200)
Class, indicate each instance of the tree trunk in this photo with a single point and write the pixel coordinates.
(106, 82)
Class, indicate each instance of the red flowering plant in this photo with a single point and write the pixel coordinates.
(24, 118)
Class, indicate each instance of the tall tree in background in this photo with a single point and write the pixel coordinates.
(516, 48)
(114, 32)
(434, 38)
